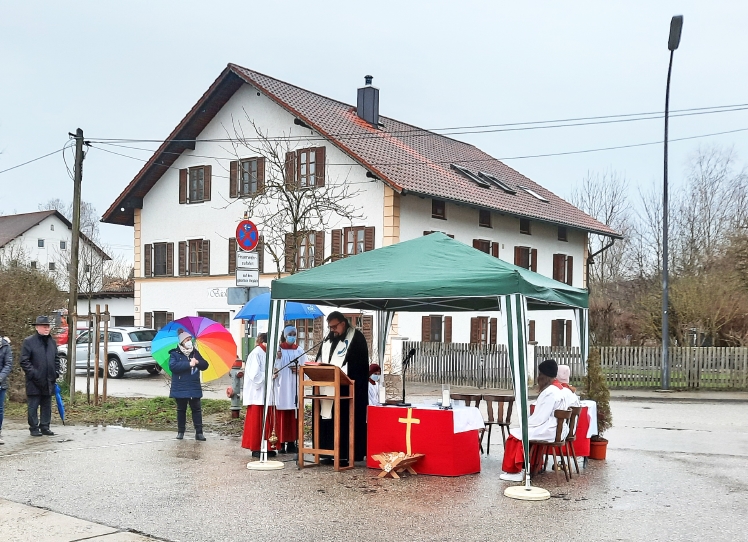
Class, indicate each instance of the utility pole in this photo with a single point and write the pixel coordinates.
(73, 280)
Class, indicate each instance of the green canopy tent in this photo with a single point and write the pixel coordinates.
(433, 273)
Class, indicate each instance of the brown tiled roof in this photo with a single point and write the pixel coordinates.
(409, 159)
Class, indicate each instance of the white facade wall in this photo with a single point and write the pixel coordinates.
(118, 306)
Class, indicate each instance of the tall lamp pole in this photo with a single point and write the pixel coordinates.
(676, 25)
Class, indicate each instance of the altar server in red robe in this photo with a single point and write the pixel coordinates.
(253, 396)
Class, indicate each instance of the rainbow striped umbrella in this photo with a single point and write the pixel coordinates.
(212, 340)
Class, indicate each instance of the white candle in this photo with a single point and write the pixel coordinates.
(445, 398)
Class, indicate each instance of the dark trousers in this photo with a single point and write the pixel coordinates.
(197, 414)
(35, 402)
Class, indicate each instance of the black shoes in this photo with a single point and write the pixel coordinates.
(35, 432)
(180, 435)
(47, 433)
(199, 436)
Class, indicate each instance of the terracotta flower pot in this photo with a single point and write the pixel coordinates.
(598, 449)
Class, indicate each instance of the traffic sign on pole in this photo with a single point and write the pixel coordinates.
(247, 235)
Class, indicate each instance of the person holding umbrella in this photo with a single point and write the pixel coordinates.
(185, 363)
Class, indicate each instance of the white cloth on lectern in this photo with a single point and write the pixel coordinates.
(337, 358)
(286, 383)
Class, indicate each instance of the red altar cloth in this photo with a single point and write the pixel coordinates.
(447, 453)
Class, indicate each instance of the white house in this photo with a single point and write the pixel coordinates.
(42, 240)
(186, 201)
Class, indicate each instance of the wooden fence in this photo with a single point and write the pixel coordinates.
(487, 366)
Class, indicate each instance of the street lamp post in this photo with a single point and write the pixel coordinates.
(676, 25)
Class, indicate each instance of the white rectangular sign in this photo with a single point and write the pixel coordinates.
(247, 260)
(247, 277)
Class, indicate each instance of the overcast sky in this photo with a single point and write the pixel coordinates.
(134, 69)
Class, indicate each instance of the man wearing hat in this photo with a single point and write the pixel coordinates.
(541, 424)
(41, 365)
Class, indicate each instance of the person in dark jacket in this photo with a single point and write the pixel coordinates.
(186, 363)
(41, 365)
(6, 364)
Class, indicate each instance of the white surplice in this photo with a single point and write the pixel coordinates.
(571, 398)
(541, 424)
(286, 383)
(253, 392)
(374, 393)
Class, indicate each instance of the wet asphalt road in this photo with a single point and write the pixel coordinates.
(675, 471)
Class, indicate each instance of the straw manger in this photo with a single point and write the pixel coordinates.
(393, 463)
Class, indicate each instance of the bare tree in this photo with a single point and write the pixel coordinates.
(288, 211)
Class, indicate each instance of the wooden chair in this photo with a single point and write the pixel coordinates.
(471, 399)
(572, 437)
(539, 448)
(498, 416)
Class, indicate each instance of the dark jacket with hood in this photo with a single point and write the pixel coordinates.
(185, 382)
(6, 362)
(41, 364)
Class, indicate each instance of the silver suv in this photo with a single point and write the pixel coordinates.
(129, 350)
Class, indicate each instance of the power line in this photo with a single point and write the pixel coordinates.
(462, 130)
(34, 160)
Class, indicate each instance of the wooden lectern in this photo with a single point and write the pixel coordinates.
(330, 376)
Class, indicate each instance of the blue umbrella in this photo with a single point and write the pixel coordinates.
(259, 307)
(60, 404)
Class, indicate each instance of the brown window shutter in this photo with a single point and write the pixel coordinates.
(568, 333)
(531, 331)
(206, 257)
(367, 328)
(368, 238)
(495, 250)
(319, 329)
(261, 175)
(474, 331)
(447, 329)
(290, 169)
(182, 187)
(319, 165)
(148, 260)
(569, 269)
(558, 267)
(477, 243)
(425, 329)
(319, 248)
(148, 319)
(233, 179)
(169, 317)
(170, 259)
(336, 244)
(261, 253)
(534, 260)
(518, 256)
(232, 255)
(182, 258)
(493, 325)
(208, 174)
(427, 232)
(555, 332)
(290, 253)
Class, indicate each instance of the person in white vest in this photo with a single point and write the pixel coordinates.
(564, 374)
(541, 424)
(286, 388)
(253, 396)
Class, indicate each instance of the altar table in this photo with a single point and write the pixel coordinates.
(448, 438)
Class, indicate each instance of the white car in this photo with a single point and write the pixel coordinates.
(129, 350)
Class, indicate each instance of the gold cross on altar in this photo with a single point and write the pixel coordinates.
(410, 420)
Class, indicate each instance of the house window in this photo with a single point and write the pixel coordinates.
(222, 318)
(63, 245)
(484, 218)
(526, 257)
(159, 259)
(450, 235)
(33, 265)
(438, 209)
(195, 249)
(248, 177)
(482, 245)
(40, 243)
(354, 240)
(531, 331)
(483, 330)
(307, 168)
(524, 226)
(561, 333)
(161, 318)
(197, 184)
(562, 233)
(563, 267)
(51, 227)
(305, 255)
(304, 332)
(52, 266)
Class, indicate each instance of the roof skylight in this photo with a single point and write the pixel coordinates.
(534, 194)
(470, 175)
(500, 184)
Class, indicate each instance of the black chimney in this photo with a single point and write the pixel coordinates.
(367, 105)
